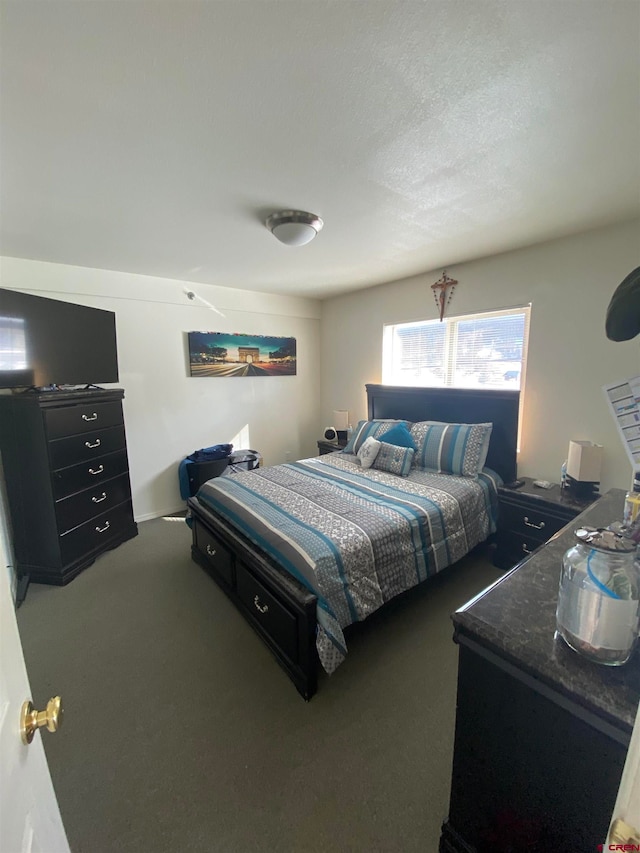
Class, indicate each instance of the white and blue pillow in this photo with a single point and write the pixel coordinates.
(368, 452)
(451, 448)
(394, 459)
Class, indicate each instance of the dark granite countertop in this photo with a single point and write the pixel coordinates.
(516, 618)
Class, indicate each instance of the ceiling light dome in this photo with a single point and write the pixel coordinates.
(294, 227)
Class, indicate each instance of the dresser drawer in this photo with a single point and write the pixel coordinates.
(530, 522)
(79, 448)
(67, 481)
(96, 533)
(70, 420)
(272, 616)
(512, 548)
(215, 553)
(78, 508)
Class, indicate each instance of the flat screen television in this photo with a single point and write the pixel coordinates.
(46, 342)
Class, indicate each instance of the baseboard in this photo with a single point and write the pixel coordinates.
(148, 516)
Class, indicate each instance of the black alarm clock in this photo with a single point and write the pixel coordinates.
(331, 434)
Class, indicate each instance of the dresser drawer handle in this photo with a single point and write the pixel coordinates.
(99, 500)
(263, 608)
(531, 524)
(97, 471)
(103, 529)
(211, 551)
(91, 446)
(93, 417)
(525, 549)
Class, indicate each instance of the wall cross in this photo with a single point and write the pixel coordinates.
(440, 289)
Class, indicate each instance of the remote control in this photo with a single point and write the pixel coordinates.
(514, 485)
(543, 484)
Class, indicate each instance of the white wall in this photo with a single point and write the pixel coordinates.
(569, 283)
(168, 414)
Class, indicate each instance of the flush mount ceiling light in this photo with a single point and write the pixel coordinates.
(294, 227)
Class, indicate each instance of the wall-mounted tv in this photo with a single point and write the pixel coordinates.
(45, 342)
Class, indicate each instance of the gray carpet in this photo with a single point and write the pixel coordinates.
(181, 732)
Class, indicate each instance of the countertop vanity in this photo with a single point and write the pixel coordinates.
(541, 733)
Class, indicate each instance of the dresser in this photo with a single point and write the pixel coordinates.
(529, 516)
(541, 733)
(66, 471)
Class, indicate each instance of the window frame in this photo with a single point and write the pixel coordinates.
(449, 347)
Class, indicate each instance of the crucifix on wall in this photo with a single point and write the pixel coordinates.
(443, 291)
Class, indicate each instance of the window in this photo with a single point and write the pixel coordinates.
(477, 351)
(13, 344)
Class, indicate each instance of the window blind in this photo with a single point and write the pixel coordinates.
(477, 350)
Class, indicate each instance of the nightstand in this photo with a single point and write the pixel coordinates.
(325, 447)
(528, 517)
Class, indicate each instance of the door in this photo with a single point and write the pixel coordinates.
(627, 808)
(30, 820)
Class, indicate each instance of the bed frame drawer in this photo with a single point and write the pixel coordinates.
(216, 555)
(272, 616)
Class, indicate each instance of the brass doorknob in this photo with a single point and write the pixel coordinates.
(30, 719)
(622, 834)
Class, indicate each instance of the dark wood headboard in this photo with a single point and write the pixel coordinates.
(460, 406)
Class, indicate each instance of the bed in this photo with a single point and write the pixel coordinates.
(306, 549)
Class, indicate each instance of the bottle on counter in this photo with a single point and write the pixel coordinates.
(632, 503)
(563, 475)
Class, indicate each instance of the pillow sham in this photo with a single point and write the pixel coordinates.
(400, 436)
(394, 459)
(368, 452)
(364, 429)
(451, 448)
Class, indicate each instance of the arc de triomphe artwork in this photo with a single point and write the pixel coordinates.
(249, 354)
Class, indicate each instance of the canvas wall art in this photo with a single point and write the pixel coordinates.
(224, 354)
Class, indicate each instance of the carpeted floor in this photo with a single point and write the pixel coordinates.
(182, 734)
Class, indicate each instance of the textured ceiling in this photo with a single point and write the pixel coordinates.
(155, 137)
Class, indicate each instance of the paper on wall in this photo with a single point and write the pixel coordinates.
(624, 403)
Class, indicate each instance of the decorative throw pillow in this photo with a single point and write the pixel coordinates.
(394, 459)
(374, 428)
(400, 436)
(451, 448)
(368, 452)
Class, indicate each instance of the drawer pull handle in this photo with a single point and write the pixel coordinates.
(525, 549)
(103, 529)
(263, 608)
(99, 500)
(531, 524)
(211, 551)
(93, 417)
(97, 471)
(91, 446)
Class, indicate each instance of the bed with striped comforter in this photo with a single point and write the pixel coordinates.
(355, 537)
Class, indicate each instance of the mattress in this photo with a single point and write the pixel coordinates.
(355, 537)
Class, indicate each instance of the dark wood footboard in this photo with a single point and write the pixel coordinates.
(281, 610)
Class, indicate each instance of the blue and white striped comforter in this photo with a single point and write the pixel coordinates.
(355, 537)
